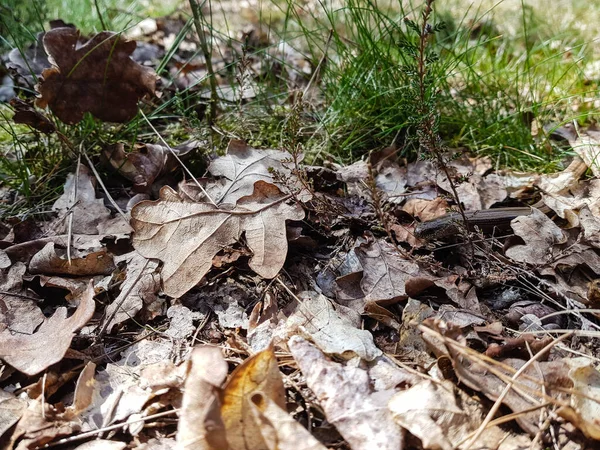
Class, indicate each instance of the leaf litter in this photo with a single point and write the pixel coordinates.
(275, 305)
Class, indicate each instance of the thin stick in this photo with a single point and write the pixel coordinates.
(72, 201)
(118, 307)
(110, 199)
(82, 436)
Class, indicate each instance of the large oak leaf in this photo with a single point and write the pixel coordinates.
(187, 235)
(98, 77)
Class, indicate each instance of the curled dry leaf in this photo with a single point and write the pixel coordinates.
(443, 417)
(585, 400)
(259, 374)
(98, 77)
(31, 353)
(200, 423)
(27, 114)
(186, 236)
(41, 424)
(147, 163)
(345, 393)
(47, 261)
(540, 235)
(587, 146)
(279, 430)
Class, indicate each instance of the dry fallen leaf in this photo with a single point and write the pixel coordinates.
(98, 77)
(140, 288)
(11, 410)
(585, 401)
(540, 235)
(385, 271)
(90, 216)
(443, 417)
(346, 395)
(186, 236)
(279, 430)
(147, 163)
(258, 374)
(20, 312)
(126, 388)
(40, 424)
(587, 146)
(200, 423)
(47, 261)
(27, 114)
(30, 353)
(332, 333)
(243, 166)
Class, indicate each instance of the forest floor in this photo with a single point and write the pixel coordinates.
(301, 226)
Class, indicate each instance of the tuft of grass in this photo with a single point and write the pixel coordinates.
(499, 69)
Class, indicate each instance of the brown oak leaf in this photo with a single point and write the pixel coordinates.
(98, 77)
(187, 235)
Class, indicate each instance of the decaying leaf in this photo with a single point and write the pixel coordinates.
(186, 236)
(98, 77)
(128, 386)
(40, 424)
(585, 400)
(147, 163)
(333, 334)
(11, 410)
(540, 235)
(587, 146)
(140, 288)
(385, 271)
(279, 430)
(200, 423)
(47, 261)
(26, 113)
(243, 166)
(30, 353)
(443, 417)
(259, 374)
(90, 216)
(20, 312)
(345, 393)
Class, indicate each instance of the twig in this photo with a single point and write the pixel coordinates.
(101, 183)
(118, 307)
(72, 201)
(428, 138)
(82, 436)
